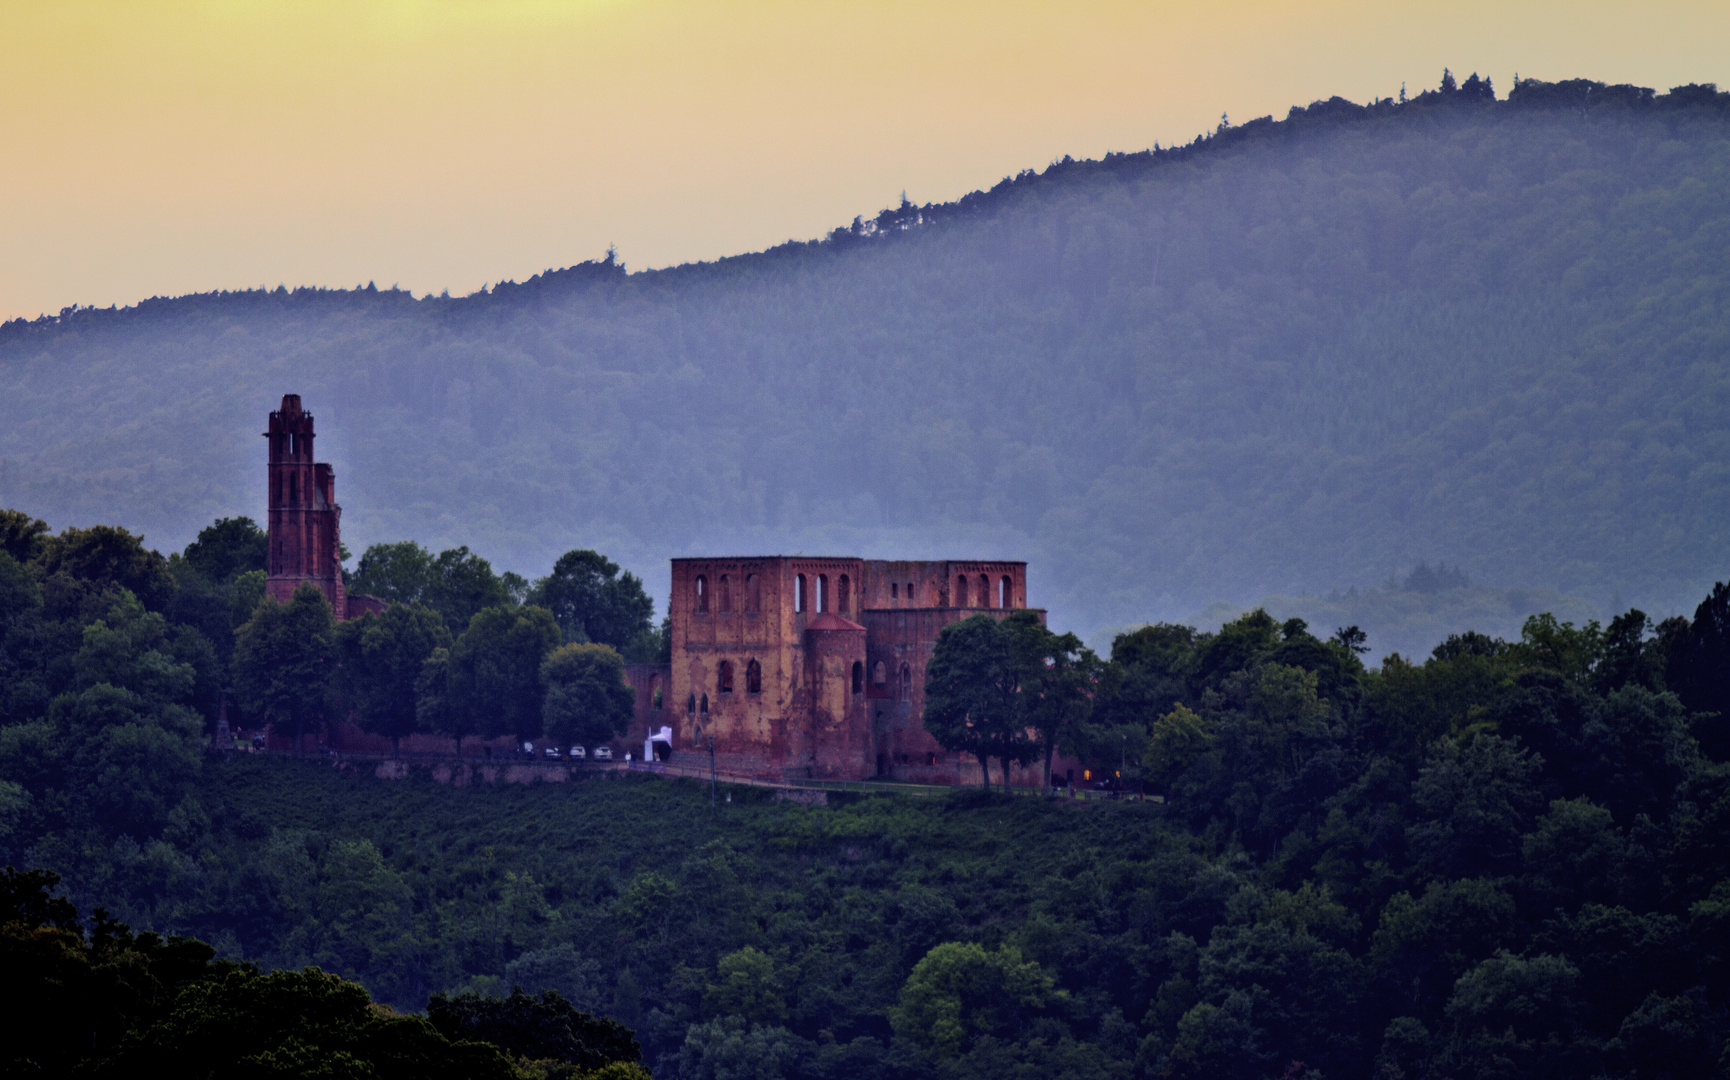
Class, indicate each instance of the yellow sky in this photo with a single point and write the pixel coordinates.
(155, 148)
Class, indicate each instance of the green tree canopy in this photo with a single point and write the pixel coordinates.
(283, 658)
(535, 1027)
(962, 990)
(592, 601)
(379, 661)
(495, 670)
(456, 583)
(588, 698)
(21, 536)
(228, 547)
(1056, 681)
(241, 1021)
(107, 554)
(971, 701)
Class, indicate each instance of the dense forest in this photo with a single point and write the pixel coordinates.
(1294, 357)
(1505, 859)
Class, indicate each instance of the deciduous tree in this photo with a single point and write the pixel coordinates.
(283, 658)
(495, 670)
(380, 657)
(588, 699)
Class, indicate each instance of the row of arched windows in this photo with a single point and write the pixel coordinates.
(880, 677)
(753, 594)
(754, 682)
(802, 589)
(1005, 592)
(966, 590)
(724, 682)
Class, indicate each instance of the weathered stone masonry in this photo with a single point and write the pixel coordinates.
(304, 522)
(815, 667)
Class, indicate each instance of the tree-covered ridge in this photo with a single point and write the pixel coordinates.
(99, 632)
(103, 1001)
(1295, 356)
(1501, 860)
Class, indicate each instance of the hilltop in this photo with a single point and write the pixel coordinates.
(1293, 357)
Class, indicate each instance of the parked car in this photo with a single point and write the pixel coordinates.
(603, 753)
(552, 752)
(528, 748)
(578, 753)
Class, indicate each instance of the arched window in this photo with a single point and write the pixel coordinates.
(822, 593)
(726, 596)
(753, 594)
(705, 709)
(725, 683)
(909, 592)
(753, 678)
(293, 489)
(702, 595)
(799, 593)
(984, 591)
(858, 677)
(691, 704)
(843, 594)
(1006, 590)
(894, 590)
(906, 682)
(961, 591)
(655, 692)
(878, 674)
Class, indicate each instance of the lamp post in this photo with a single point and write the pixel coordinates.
(711, 770)
(710, 738)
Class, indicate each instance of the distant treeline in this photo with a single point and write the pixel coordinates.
(1290, 357)
(1577, 96)
(102, 633)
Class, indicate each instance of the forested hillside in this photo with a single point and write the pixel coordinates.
(1503, 859)
(1294, 357)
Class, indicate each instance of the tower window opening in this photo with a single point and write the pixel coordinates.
(753, 678)
(293, 488)
(799, 594)
(984, 591)
(910, 592)
(1006, 590)
(753, 594)
(961, 591)
(705, 705)
(843, 594)
(894, 591)
(691, 704)
(725, 683)
(906, 682)
(858, 677)
(702, 588)
(822, 593)
(726, 596)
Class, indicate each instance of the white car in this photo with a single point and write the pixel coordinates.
(578, 753)
(603, 753)
(553, 752)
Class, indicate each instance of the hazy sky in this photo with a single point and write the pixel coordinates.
(154, 148)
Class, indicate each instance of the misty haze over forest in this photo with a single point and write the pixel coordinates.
(1293, 359)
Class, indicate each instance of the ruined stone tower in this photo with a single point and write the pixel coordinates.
(305, 523)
